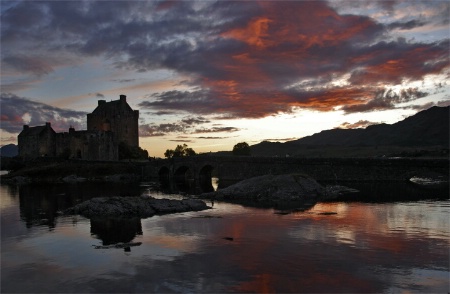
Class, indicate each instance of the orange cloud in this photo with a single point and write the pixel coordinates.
(254, 34)
(277, 42)
(293, 54)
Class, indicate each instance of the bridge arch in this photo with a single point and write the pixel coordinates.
(164, 177)
(184, 179)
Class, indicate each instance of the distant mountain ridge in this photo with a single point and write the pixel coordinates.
(426, 128)
(9, 150)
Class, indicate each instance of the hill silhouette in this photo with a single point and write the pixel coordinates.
(9, 150)
(427, 130)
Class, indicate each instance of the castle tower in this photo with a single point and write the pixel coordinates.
(118, 117)
(36, 141)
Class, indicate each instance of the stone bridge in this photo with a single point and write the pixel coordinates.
(194, 174)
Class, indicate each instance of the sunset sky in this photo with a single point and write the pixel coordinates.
(212, 74)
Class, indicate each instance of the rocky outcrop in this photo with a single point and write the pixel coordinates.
(278, 189)
(134, 206)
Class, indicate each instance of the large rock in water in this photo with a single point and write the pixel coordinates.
(134, 206)
(277, 190)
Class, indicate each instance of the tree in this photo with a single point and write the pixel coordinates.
(241, 149)
(180, 151)
(168, 153)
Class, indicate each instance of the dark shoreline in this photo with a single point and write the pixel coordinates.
(47, 171)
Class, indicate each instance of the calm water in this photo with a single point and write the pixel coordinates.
(393, 247)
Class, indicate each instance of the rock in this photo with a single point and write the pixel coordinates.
(278, 190)
(163, 206)
(134, 206)
(271, 189)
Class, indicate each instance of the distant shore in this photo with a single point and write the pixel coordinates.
(73, 171)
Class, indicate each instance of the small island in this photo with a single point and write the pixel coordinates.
(141, 207)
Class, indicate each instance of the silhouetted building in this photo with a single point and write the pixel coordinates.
(108, 125)
(36, 141)
(116, 116)
(88, 145)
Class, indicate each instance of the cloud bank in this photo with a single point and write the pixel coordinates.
(18, 111)
(248, 59)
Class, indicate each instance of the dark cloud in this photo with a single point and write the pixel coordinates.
(406, 25)
(124, 80)
(443, 103)
(212, 138)
(17, 111)
(99, 95)
(181, 100)
(195, 120)
(300, 41)
(28, 64)
(152, 130)
(184, 126)
(386, 99)
(216, 130)
(242, 58)
(394, 62)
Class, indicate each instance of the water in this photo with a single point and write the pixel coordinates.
(388, 247)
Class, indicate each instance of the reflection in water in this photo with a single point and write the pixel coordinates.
(41, 204)
(393, 191)
(215, 183)
(116, 230)
(332, 247)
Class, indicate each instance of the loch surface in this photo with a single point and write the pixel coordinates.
(392, 245)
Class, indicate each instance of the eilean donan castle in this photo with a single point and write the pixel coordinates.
(108, 125)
